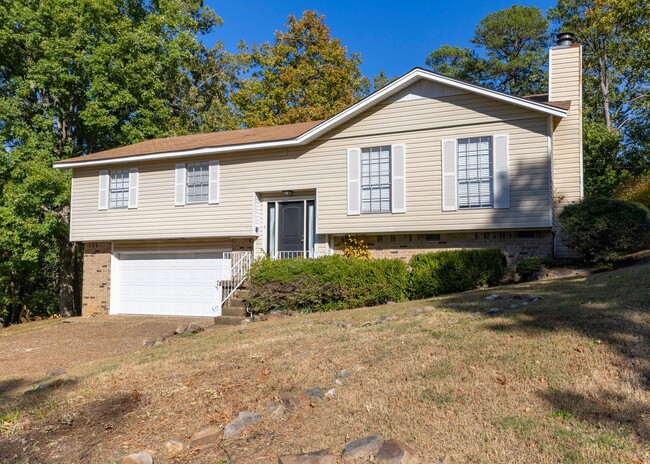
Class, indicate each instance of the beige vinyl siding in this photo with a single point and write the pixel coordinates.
(566, 84)
(420, 124)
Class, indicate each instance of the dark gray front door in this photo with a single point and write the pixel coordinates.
(291, 226)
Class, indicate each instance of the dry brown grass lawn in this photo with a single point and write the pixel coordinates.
(563, 379)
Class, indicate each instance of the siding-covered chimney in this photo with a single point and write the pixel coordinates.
(565, 84)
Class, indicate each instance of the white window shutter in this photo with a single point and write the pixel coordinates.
(213, 182)
(181, 185)
(354, 181)
(103, 190)
(133, 188)
(398, 181)
(501, 177)
(449, 182)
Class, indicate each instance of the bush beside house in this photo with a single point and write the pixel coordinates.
(338, 282)
(444, 272)
(327, 283)
(604, 228)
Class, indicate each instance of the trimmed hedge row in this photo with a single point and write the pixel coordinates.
(327, 283)
(454, 271)
(337, 282)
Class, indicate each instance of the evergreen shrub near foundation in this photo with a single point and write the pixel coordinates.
(327, 283)
(603, 229)
(455, 271)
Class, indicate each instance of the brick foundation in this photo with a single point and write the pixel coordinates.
(96, 279)
(515, 244)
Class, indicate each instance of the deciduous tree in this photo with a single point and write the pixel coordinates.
(305, 75)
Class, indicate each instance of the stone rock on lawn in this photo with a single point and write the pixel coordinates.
(330, 393)
(174, 447)
(363, 448)
(180, 330)
(492, 311)
(244, 419)
(315, 392)
(344, 374)
(317, 457)
(274, 410)
(193, 328)
(137, 458)
(395, 452)
(205, 437)
(492, 297)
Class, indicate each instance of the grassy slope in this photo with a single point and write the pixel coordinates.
(565, 380)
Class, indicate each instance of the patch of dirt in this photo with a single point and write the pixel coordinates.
(26, 358)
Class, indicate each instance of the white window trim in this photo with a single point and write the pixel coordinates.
(457, 156)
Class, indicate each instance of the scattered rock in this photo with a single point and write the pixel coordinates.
(343, 374)
(363, 448)
(492, 297)
(317, 457)
(205, 437)
(193, 328)
(41, 387)
(383, 319)
(315, 392)
(67, 419)
(339, 382)
(426, 309)
(514, 306)
(244, 419)
(180, 330)
(330, 393)
(535, 299)
(245, 321)
(148, 343)
(290, 401)
(55, 372)
(492, 312)
(274, 410)
(174, 447)
(344, 324)
(137, 458)
(395, 452)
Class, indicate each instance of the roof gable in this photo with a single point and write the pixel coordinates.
(418, 83)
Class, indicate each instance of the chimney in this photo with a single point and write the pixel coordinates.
(565, 85)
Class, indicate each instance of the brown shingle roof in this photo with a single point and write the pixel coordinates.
(209, 140)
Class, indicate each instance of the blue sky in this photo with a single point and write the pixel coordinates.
(391, 36)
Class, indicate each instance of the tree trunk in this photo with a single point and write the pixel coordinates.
(67, 280)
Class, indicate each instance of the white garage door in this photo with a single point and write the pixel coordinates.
(172, 284)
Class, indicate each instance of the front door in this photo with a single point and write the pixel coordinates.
(291, 226)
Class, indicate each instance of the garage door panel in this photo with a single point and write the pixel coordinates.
(168, 284)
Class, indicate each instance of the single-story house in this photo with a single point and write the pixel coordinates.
(426, 163)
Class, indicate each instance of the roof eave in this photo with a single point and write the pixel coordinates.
(334, 121)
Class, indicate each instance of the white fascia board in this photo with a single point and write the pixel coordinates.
(334, 121)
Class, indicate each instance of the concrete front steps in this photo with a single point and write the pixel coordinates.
(234, 311)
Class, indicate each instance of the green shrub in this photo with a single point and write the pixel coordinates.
(327, 283)
(528, 267)
(455, 271)
(604, 228)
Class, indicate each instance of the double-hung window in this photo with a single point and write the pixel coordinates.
(376, 179)
(118, 189)
(198, 182)
(475, 172)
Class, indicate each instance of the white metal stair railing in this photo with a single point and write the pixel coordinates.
(241, 264)
(296, 254)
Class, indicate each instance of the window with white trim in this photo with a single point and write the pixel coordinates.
(118, 189)
(375, 179)
(475, 179)
(198, 182)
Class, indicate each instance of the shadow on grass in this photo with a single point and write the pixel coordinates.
(612, 308)
(82, 428)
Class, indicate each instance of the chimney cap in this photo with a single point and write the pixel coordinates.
(565, 38)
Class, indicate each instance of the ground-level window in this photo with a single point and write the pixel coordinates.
(118, 189)
(475, 181)
(198, 182)
(375, 179)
